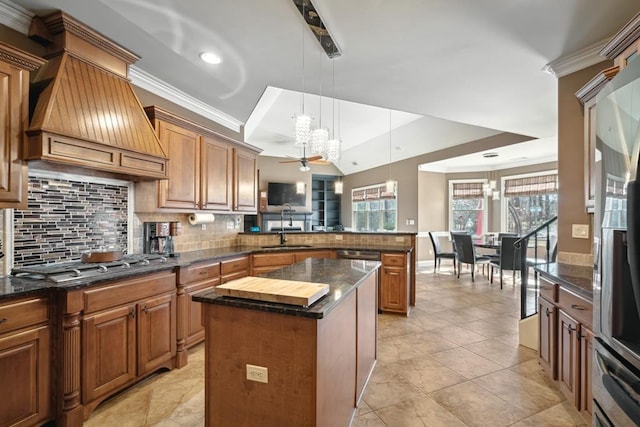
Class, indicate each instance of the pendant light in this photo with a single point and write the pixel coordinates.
(319, 136)
(302, 132)
(390, 184)
(333, 145)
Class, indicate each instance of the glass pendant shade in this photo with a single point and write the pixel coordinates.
(302, 130)
(333, 150)
(390, 186)
(319, 140)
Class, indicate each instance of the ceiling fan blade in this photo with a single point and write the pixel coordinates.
(313, 158)
(290, 161)
(319, 162)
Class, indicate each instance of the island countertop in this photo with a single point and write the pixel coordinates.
(342, 275)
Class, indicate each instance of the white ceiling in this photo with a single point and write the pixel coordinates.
(452, 71)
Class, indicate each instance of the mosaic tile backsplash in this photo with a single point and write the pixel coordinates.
(65, 218)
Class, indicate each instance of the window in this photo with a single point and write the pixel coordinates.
(529, 201)
(374, 209)
(467, 207)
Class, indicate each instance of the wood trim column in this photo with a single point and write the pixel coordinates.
(182, 315)
(70, 364)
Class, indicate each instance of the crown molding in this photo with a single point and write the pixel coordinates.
(154, 85)
(576, 61)
(623, 38)
(15, 16)
(593, 86)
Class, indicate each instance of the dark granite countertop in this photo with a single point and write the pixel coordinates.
(342, 275)
(12, 286)
(574, 277)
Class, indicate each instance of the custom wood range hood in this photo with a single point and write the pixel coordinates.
(84, 112)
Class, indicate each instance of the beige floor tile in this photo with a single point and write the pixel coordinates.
(368, 420)
(476, 406)
(459, 335)
(426, 374)
(397, 327)
(466, 363)
(502, 354)
(427, 321)
(560, 415)
(421, 411)
(528, 395)
(386, 388)
(406, 347)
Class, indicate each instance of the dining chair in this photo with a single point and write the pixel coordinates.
(438, 254)
(466, 253)
(510, 259)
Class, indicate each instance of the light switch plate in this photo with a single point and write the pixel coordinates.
(580, 231)
(257, 373)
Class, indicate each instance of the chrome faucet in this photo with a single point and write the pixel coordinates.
(283, 236)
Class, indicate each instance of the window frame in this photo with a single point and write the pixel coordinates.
(381, 199)
(485, 203)
(503, 198)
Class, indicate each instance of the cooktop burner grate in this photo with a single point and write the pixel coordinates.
(67, 271)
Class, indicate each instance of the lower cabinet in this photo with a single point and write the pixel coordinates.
(394, 286)
(566, 343)
(112, 336)
(25, 362)
(234, 268)
(264, 263)
(195, 278)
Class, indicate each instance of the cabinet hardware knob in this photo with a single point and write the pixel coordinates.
(132, 312)
(203, 272)
(577, 307)
(547, 311)
(4, 319)
(145, 309)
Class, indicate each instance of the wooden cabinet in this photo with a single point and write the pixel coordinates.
(234, 268)
(206, 171)
(366, 333)
(566, 342)
(112, 335)
(264, 263)
(547, 316)
(325, 253)
(245, 181)
(14, 95)
(195, 278)
(25, 362)
(394, 286)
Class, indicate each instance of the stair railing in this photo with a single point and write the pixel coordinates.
(526, 308)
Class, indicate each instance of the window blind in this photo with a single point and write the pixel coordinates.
(531, 185)
(467, 190)
(376, 192)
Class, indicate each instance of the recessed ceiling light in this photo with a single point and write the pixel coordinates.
(210, 58)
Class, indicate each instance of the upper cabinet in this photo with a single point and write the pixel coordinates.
(623, 48)
(206, 171)
(15, 66)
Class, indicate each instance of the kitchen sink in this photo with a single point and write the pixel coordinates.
(286, 246)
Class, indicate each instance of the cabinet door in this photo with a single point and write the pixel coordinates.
(547, 316)
(568, 357)
(302, 255)
(25, 378)
(393, 292)
(109, 351)
(13, 114)
(367, 327)
(183, 168)
(194, 324)
(245, 181)
(217, 175)
(586, 362)
(156, 332)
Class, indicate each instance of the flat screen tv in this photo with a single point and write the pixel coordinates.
(279, 193)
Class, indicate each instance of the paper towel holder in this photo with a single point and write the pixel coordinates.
(201, 218)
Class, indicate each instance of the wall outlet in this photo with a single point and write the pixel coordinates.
(412, 222)
(204, 226)
(338, 236)
(580, 231)
(257, 373)
(231, 224)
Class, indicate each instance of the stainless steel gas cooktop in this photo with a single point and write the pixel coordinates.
(69, 271)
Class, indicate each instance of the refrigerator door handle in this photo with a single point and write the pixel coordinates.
(619, 384)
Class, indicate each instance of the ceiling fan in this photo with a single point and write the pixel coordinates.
(305, 161)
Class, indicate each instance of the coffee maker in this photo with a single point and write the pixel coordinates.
(158, 237)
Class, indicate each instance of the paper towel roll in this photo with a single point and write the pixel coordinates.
(201, 218)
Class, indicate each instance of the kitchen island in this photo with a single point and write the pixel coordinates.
(307, 365)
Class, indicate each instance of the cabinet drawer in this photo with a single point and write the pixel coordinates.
(234, 265)
(576, 306)
(396, 260)
(265, 260)
(548, 290)
(198, 272)
(126, 291)
(22, 313)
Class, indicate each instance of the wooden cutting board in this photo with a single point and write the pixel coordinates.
(274, 290)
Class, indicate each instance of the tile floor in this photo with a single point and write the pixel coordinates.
(455, 361)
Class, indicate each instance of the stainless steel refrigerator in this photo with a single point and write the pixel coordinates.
(616, 358)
